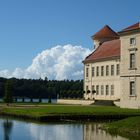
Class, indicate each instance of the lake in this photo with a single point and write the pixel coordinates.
(11, 129)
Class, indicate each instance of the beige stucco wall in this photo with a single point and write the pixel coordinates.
(128, 101)
(125, 52)
(127, 74)
(96, 44)
(121, 82)
(75, 102)
(102, 80)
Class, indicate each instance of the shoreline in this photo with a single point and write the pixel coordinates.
(112, 116)
(66, 117)
(60, 112)
(128, 127)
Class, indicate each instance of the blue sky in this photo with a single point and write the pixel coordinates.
(28, 27)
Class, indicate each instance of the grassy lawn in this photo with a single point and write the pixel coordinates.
(44, 110)
(127, 127)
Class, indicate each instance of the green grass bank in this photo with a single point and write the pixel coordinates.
(128, 124)
(40, 111)
(129, 127)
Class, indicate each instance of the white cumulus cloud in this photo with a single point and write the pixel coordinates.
(59, 62)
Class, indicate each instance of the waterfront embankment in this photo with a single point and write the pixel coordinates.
(128, 118)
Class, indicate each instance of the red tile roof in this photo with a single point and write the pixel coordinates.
(108, 50)
(105, 32)
(132, 27)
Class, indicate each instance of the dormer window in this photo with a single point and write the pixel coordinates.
(133, 41)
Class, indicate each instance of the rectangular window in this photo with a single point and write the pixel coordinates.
(112, 69)
(93, 89)
(132, 60)
(112, 89)
(132, 41)
(132, 88)
(102, 90)
(107, 70)
(107, 89)
(117, 69)
(102, 70)
(86, 72)
(97, 89)
(86, 88)
(92, 71)
(97, 71)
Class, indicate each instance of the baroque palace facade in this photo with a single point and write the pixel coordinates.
(112, 70)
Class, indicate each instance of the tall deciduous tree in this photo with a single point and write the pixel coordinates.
(8, 92)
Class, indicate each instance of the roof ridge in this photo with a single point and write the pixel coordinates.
(132, 27)
(105, 32)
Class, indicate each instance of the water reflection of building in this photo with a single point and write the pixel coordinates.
(92, 132)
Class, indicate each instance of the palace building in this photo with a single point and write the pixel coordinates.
(112, 70)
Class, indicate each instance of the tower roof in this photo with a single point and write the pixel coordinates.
(105, 32)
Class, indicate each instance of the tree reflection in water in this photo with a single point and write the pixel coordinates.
(7, 127)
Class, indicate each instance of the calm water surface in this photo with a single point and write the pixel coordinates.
(21, 130)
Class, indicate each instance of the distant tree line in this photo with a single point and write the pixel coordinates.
(31, 88)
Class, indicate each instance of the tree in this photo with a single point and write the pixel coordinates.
(1, 87)
(40, 99)
(31, 99)
(46, 78)
(15, 100)
(23, 99)
(93, 91)
(49, 100)
(8, 92)
(88, 91)
(38, 88)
